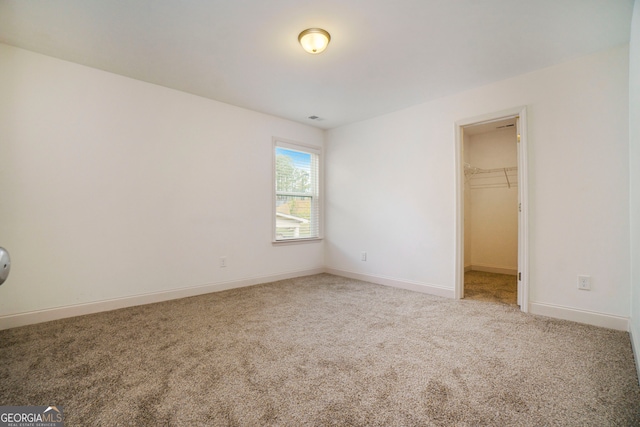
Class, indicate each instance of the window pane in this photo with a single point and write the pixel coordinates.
(293, 217)
(293, 171)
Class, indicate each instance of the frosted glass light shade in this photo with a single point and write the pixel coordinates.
(314, 40)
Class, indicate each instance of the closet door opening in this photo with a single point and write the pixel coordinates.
(491, 211)
(491, 242)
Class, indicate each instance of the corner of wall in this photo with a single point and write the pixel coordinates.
(634, 187)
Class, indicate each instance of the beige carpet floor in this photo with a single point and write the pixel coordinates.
(490, 287)
(322, 351)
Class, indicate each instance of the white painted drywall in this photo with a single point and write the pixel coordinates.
(111, 187)
(494, 210)
(634, 167)
(391, 184)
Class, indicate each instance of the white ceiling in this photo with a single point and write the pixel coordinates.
(384, 55)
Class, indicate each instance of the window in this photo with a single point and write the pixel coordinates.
(297, 191)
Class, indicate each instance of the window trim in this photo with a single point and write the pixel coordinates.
(297, 146)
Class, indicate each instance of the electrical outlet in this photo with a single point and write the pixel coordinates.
(363, 256)
(223, 261)
(584, 283)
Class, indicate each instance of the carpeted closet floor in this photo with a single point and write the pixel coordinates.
(490, 287)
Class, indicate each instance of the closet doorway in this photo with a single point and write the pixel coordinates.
(491, 219)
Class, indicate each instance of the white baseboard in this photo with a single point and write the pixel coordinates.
(635, 345)
(396, 283)
(543, 309)
(604, 320)
(39, 316)
(493, 269)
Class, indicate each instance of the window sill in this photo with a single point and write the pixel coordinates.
(295, 241)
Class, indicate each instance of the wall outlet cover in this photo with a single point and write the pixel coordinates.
(584, 283)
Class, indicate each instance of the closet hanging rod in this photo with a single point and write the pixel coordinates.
(476, 170)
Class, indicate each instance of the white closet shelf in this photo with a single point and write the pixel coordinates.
(490, 178)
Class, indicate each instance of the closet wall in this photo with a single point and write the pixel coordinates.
(491, 201)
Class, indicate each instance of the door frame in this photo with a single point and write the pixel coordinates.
(523, 199)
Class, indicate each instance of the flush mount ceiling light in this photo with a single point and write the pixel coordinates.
(314, 40)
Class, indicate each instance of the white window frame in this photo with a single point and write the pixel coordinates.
(316, 185)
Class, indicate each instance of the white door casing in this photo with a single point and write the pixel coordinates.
(520, 113)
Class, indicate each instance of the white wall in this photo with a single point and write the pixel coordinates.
(391, 187)
(494, 210)
(112, 187)
(634, 166)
